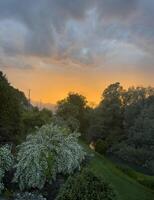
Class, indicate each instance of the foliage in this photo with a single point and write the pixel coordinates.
(73, 111)
(51, 150)
(101, 146)
(138, 147)
(35, 118)
(12, 101)
(111, 109)
(29, 196)
(107, 117)
(124, 119)
(86, 186)
(134, 100)
(1, 178)
(6, 162)
(17, 116)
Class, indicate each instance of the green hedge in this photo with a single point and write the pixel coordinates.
(86, 186)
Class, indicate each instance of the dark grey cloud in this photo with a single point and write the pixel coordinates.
(42, 18)
(117, 9)
(83, 30)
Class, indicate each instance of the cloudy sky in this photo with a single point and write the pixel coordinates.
(57, 46)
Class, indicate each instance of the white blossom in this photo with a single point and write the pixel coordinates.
(29, 196)
(50, 151)
(6, 162)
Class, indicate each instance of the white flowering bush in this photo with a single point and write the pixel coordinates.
(50, 151)
(29, 196)
(70, 155)
(6, 162)
(1, 183)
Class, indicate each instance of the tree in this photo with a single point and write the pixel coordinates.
(107, 121)
(137, 146)
(11, 105)
(73, 110)
(35, 118)
(134, 100)
(111, 108)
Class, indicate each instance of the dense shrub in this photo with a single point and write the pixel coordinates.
(29, 196)
(6, 162)
(101, 146)
(139, 156)
(51, 150)
(137, 146)
(35, 118)
(1, 177)
(86, 186)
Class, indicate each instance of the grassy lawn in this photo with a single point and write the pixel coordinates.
(127, 187)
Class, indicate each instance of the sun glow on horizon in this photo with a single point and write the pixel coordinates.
(52, 85)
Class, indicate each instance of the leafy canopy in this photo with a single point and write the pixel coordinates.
(72, 110)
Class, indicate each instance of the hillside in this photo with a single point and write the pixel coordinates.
(127, 188)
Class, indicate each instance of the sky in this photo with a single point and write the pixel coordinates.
(58, 46)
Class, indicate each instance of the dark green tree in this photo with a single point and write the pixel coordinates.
(35, 118)
(134, 101)
(73, 111)
(137, 145)
(107, 120)
(11, 104)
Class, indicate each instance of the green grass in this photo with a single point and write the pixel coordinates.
(126, 186)
(143, 179)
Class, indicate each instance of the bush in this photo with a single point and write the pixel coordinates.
(86, 186)
(139, 156)
(50, 151)
(29, 196)
(6, 162)
(101, 146)
(35, 118)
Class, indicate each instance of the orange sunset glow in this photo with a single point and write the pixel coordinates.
(49, 86)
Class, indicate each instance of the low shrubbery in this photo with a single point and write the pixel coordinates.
(86, 186)
(138, 156)
(101, 146)
(52, 150)
(6, 162)
(28, 196)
